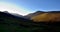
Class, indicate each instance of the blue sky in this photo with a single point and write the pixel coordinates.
(34, 5)
(37, 4)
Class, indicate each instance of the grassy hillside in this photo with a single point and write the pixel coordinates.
(10, 23)
(47, 17)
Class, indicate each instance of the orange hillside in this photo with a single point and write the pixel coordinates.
(46, 17)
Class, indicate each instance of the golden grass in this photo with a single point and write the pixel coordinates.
(47, 17)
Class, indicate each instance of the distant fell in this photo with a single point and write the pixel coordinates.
(33, 14)
(47, 16)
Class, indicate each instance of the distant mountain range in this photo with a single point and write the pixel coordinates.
(36, 16)
(40, 16)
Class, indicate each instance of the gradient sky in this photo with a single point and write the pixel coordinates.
(34, 5)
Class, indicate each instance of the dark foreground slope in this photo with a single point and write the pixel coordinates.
(10, 23)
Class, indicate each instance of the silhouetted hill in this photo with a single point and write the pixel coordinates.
(33, 14)
(54, 12)
(8, 16)
(15, 14)
(11, 22)
(5, 11)
(18, 15)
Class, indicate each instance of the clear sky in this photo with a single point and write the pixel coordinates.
(34, 5)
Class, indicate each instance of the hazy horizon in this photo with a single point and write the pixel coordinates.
(25, 7)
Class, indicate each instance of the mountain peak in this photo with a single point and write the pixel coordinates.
(39, 12)
(5, 11)
(34, 14)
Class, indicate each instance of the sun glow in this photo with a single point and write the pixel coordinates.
(12, 8)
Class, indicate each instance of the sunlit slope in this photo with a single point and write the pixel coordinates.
(47, 17)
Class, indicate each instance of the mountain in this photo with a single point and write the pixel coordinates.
(5, 11)
(53, 12)
(15, 14)
(18, 15)
(8, 15)
(47, 16)
(33, 14)
(14, 23)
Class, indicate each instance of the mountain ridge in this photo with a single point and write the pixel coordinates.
(33, 14)
(47, 16)
(13, 23)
